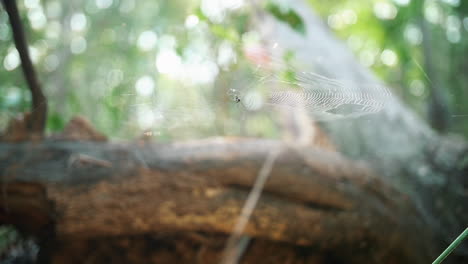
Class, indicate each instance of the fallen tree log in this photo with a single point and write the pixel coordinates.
(320, 201)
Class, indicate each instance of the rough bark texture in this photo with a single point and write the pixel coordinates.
(317, 204)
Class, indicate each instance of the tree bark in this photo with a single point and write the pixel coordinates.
(314, 200)
(39, 103)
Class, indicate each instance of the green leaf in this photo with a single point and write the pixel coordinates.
(55, 122)
(225, 33)
(241, 23)
(286, 15)
(199, 13)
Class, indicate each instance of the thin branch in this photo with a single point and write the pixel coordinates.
(236, 243)
(39, 102)
(452, 247)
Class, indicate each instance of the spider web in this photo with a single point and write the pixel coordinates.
(324, 98)
(249, 104)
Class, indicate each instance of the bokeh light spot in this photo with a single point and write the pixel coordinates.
(78, 22)
(147, 40)
(385, 10)
(12, 60)
(168, 62)
(389, 57)
(78, 45)
(144, 85)
(191, 21)
(103, 4)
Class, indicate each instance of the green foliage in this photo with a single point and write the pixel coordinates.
(221, 32)
(92, 56)
(8, 236)
(55, 122)
(370, 35)
(287, 15)
(288, 75)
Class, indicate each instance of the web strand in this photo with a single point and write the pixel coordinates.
(324, 98)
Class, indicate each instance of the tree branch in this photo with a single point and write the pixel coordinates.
(39, 102)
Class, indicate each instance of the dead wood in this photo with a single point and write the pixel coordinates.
(317, 201)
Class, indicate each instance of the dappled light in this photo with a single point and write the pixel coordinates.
(183, 54)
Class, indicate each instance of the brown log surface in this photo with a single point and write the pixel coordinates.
(313, 199)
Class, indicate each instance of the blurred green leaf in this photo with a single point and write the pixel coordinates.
(55, 122)
(200, 15)
(241, 23)
(225, 33)
(286, 15)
